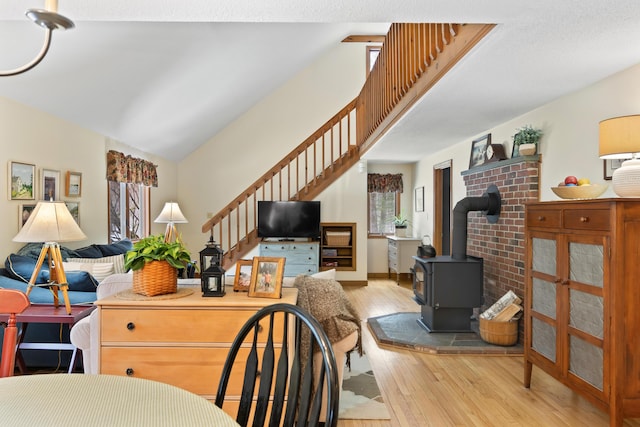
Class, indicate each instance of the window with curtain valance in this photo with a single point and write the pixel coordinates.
(130, 170)
(384, 201)
(384, 183)
(129, 181)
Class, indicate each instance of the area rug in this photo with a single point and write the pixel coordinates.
(360, 398)
(403, 330)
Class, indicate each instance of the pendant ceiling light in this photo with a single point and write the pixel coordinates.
(50, 20)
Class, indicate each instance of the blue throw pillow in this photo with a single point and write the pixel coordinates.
(116, 248)
(21, 268)
(88, 252)
(80, 281)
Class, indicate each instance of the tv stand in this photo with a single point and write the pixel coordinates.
(300, 257)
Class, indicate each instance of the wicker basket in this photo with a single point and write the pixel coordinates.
(338, 238)
(499, 333)
(155, 278)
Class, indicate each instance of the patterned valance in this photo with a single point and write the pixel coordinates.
(121, 168)
(387, 183)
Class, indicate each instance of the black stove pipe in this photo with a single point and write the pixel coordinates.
(490, 203)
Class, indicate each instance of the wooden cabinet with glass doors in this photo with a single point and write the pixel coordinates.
(582, 302)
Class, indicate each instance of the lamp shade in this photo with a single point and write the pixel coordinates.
(620, 137)
(50, 222)
(171, 214)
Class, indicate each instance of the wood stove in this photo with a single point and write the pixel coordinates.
(448, 290)
(449, 287)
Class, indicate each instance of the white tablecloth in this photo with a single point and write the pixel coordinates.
(69, 400)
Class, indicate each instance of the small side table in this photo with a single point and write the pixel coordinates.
(47, 313)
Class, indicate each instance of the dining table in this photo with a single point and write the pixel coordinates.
(70, 400)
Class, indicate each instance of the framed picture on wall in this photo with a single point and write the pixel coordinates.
(50, 184)
(24, 212)
(74, 210)
(419, 199)
(610, 165)
(21, 181)
(73, 187)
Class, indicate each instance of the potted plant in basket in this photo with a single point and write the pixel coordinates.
(400, 222)
(155, 262)
(526, 140)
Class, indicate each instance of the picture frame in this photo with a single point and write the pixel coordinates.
(266, 277)
(24, 212)
(73, 184)
(419, 199)
(610, 165)
(515, 151)
(242, 280)
(74, 210)
(21, 181)
(50, 184)
(478, 149)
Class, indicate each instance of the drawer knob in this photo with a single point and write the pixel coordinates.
(541, 218)
(131, 326)
(129, 372)
(584, 219)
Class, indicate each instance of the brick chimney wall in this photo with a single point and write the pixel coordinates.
(502, 244)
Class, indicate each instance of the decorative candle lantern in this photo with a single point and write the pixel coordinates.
(212, 273)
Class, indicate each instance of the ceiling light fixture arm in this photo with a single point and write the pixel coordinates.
(49, 20)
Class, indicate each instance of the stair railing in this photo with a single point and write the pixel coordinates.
(412, 59)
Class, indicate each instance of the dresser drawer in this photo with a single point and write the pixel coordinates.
(545, 218)
(192, 326)
(195, 369)
(591, 219)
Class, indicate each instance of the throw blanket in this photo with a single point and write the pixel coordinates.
(328, 303)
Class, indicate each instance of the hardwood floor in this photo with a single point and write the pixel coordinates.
(460, 390)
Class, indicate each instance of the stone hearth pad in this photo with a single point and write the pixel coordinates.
(403, 330)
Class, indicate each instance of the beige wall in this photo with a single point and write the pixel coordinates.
(569, 145)
(377, 247)
(32, 136)
(228, 163)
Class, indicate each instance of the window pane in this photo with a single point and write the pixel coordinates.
(128, 211)
(115, 228)
(382, 209)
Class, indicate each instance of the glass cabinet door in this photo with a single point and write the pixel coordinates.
(586, 311)
(543, 299)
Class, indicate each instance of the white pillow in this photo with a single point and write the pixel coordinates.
(99, 270)
(117, 260)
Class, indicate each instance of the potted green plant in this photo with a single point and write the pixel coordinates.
(526, 139)
(155, 262)
(400, 223)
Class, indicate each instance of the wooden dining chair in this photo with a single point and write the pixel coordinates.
(288, 393)
(12, 302)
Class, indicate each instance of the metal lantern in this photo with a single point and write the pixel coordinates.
(211, 273)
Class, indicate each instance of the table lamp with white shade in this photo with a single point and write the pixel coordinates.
(51, 223)
(620, 139)
(171, 215)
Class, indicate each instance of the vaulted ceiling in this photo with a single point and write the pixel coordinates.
(165, 76)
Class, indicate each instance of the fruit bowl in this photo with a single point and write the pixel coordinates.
(580, 191)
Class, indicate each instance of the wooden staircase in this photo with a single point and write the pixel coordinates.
(412, 59)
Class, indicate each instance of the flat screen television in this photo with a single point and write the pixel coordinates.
(285, 220)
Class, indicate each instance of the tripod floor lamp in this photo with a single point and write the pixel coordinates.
(51, 223)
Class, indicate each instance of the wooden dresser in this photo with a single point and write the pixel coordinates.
(182, 341)
(582, 303)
